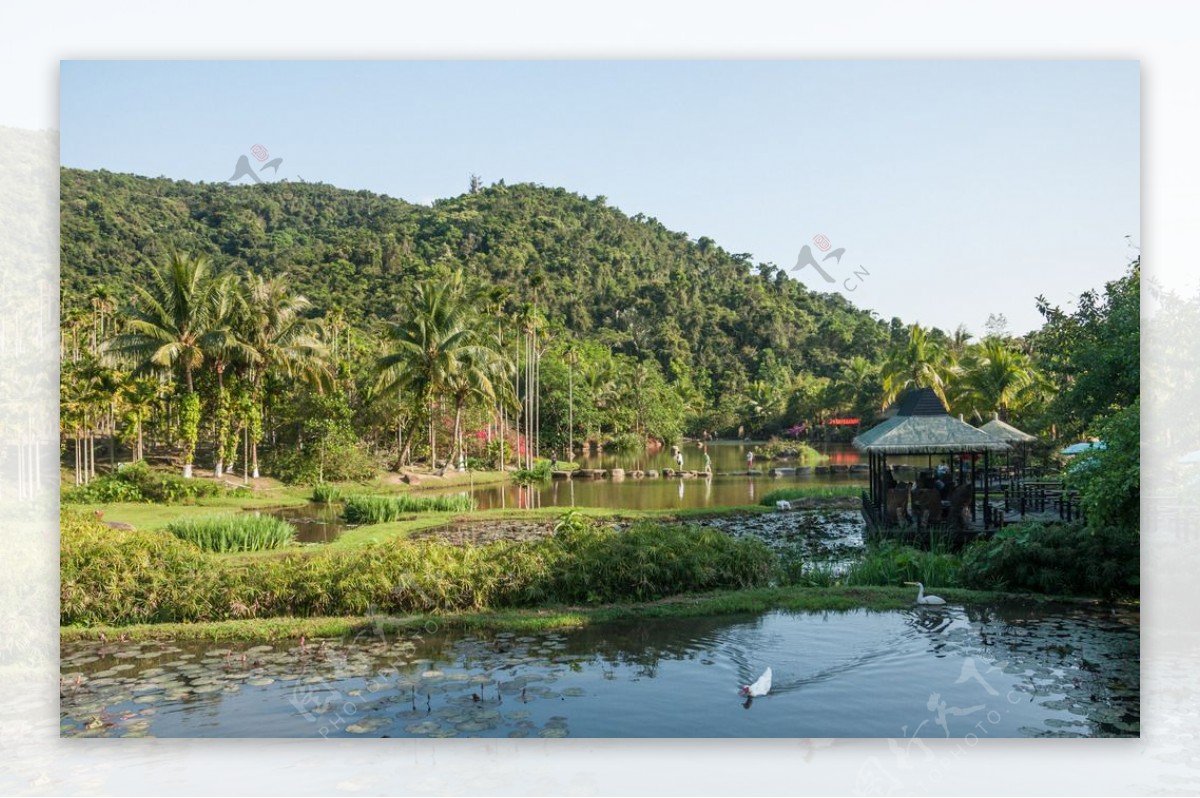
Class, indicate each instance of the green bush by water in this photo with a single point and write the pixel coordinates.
(382, 509)
(1056, 558)
(226, 533)
(122, 576)
(115, 577)
(809, 492)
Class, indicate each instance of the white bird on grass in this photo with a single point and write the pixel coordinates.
(922, 598)
(760, 687)
(783, 504)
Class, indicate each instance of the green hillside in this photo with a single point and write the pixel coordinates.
(715, 322)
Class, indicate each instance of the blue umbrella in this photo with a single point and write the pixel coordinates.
(1080, 448)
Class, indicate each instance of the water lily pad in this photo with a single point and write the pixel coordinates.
(554, 731)
(424, 727)
(519, 733)
(574, 692)
(147, 699)
(261, 681)
(367, 725)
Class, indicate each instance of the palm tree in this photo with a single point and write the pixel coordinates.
(478, 374)
(919, 363)
(284, 341)
(995, 378)
(173, 327)
(601, 383)
(140, 398)
(430, 346)
(571, 356)
(228, 350)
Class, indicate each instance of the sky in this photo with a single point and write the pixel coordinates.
(957, 189)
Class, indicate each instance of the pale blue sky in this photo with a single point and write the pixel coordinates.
(963, 188)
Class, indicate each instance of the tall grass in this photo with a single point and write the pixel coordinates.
(226, 533)
(893, 564)
(381, 509)
(324, 492)
(809, 492)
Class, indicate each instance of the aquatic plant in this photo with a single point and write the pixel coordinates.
(381, 509)
(324, 492)
(226, 533)
(893, 564)
(809, 492)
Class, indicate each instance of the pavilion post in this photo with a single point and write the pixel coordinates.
(973, 516)
(987, 507)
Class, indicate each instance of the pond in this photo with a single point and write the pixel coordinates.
(315, 522)
(1000, 671)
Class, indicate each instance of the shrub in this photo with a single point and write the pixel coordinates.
(539, 473)
(650, 560)
(121, 576)
(313, 465)
(110, 576)
(139, 483)
(225, 533)
(381, 509)
(625, 442)
(1056, 558)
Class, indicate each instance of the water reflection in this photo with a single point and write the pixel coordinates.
(1021, 671)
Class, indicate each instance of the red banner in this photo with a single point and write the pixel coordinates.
(842, 422)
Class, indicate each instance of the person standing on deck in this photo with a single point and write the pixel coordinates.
(707, 462)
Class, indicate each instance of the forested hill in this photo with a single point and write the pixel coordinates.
(709, 317)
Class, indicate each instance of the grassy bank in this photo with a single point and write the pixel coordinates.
(749, 601)
(119, 576)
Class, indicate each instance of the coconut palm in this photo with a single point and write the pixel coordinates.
(285, 343)
(919, 363)
(995, 378)
(599, 379)
(172, 328)
(430, 346)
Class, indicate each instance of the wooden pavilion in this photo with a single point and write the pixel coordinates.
(923, 426)
(1014, 437)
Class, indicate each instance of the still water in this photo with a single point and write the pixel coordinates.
(1000, 671)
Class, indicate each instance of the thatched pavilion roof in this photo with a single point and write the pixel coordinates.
(922, 426)
(1007, 432)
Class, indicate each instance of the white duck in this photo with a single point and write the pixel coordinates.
(760, 687)
(922, 598)
(783, 504)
